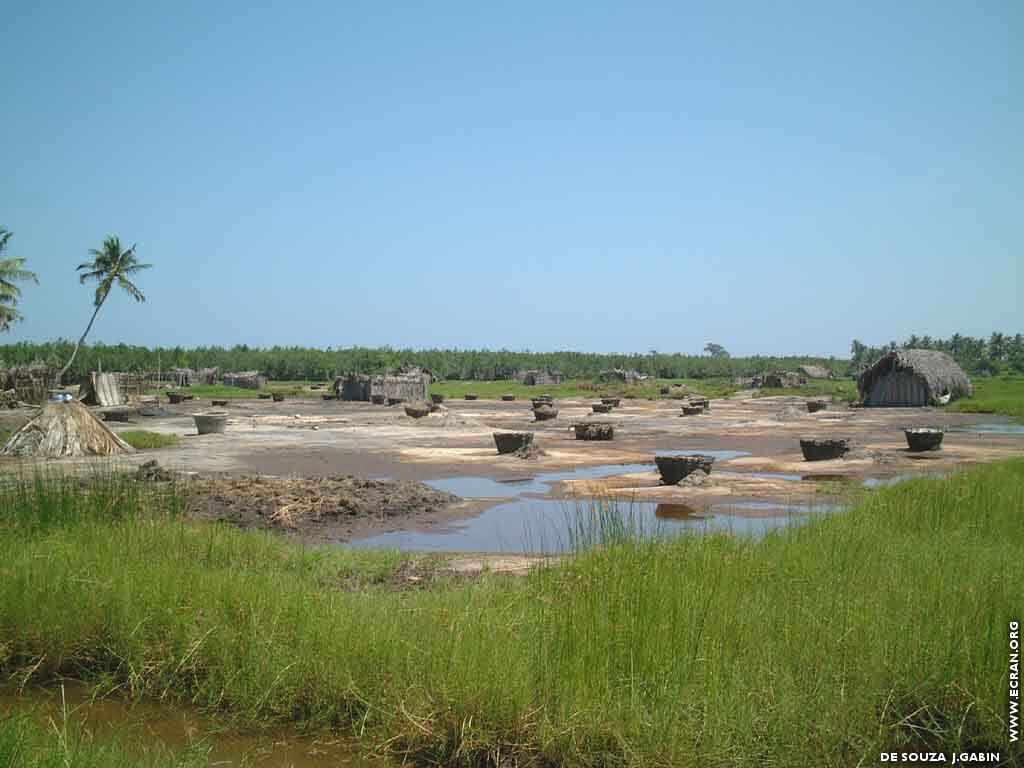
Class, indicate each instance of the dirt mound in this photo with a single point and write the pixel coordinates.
(152, 472)
(64, 429)
(789, 413)
(531, 451)
(322, 507)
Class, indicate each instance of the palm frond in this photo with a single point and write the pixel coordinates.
(130, 288)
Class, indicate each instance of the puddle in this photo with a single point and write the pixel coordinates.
(551, 526)
(488, 488)
(763, 475)
(177, 728)
(993, 428)
(882, 482)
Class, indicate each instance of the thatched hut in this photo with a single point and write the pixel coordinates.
(245, 380)
(64, 429)
(816, 372)
(782, 380)
(912, 378)
(538, 378)
(407, 385)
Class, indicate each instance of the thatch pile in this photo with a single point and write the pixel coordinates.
(913, 377)
(64, 429)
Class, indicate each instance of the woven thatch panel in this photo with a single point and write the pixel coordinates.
(101, 389)
(353, 387)
(913, 377)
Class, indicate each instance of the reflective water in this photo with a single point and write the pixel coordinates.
(544, 526)
(157, 724)
(997, 428)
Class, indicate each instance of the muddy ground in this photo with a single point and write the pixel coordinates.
(312, 438)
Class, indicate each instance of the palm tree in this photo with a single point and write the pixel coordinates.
(12, 271)
(109, 265)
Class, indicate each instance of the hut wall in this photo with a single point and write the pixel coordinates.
(245, 380)
(31, 383)
(353, 388)
(899, 389)
(402, 387)
(102, 389)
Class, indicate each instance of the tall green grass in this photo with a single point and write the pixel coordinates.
(1004, 395)
(880, 628)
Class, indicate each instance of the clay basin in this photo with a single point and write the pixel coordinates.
(377, 399)
(508, 398)
(545, 412)
(437, 399)
(278, 397)
(417, 410)
(592, 430)
(823, 449)
(601, 408)
(674, 468)
(510, 442)
(612, 401)
(924, 438)
(471, 396)
(264, 395)
(700, 402)
(813, 406)
(211, 423)
(175, 397)
(219, 403)
(692, 410)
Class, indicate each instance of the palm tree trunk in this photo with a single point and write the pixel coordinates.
(81, 341)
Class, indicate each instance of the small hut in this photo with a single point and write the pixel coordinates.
(913, 378)
(618, 374)
(816, 372)
(538, 378)
(782, 380)
(245, 380)
(64, 429)
(408, 384)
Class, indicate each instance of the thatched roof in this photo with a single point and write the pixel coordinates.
(64, 429)
(816, 371)
(938, 370)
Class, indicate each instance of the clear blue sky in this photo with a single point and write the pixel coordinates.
(775, 177)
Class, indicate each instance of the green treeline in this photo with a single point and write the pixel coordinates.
(999, 354)
(301, 363)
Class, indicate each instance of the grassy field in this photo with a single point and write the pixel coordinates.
(142, 439)
(220, 392)
(650, 389)
(880, 628)
(1004, 395)
(841, 390)
(25, 743)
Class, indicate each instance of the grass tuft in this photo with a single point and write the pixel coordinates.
(142, 440)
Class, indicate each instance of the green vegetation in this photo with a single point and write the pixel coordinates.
(12, 272)
(298, 363)
(1004, 395)
(142, 439)
(882, 627)
(5, 435)
(24, 743)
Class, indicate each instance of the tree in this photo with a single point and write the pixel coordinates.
(12, 271)
(109, 265)
(715, 350)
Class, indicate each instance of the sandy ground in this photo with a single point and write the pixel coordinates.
(316, 438)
